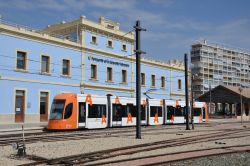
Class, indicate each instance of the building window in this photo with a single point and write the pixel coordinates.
(109, 74)
(179, 83)
(93, 40)
(93, 72)
(66, 67)
(124, 76)
(142, 78)
(21, 60)
(163, 82)
(153, 80)
(110, 43)
(124, 47)
(45, 64)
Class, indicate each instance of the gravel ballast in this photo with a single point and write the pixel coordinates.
(52, 150)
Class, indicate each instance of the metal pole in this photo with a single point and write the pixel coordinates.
(241, 109)
(192, 102)
(24, 146)
(210, 97)
(240, 89)
(138, 51)
(186, 91)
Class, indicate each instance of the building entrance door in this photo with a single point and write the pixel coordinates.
(44, 103)
(19, 106)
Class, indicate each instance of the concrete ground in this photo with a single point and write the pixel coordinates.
(18, 126)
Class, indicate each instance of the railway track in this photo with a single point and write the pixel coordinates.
(87, 134)
(94, 157)
(163, 159)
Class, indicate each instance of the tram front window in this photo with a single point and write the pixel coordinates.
(57, 109)
(197, 111)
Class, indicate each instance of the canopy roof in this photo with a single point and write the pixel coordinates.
(226, 94)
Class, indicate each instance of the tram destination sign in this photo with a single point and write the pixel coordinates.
(100, 60)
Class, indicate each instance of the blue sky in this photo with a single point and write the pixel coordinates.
(172, 25)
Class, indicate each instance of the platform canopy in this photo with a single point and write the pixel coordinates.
(226, 94)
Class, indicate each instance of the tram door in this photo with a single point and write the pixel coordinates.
(170, 114)
(143, 114)
(117, 114)
(81, 114)
(203, 114)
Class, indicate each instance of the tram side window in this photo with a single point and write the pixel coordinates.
(68, 111)
(57, 109)
(124, 111)
(179, 111)
(155, 110)
(197, 111)
(133, 111)
(143, 112)
(117, 112)
(129, 108)
(170, 111)
(97, 110)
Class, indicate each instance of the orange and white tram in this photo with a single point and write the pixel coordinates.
(74, 111)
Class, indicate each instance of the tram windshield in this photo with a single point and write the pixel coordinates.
(57, 109)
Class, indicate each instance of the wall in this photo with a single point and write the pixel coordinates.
(32, 80)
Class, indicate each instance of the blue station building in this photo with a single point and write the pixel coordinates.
(80, 56)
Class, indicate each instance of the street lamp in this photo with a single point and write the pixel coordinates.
(240, 90)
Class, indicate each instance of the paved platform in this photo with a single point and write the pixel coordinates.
(18, 126)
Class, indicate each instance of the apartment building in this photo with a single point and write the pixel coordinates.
(216, 64)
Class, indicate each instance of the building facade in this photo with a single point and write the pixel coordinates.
(80, 56)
